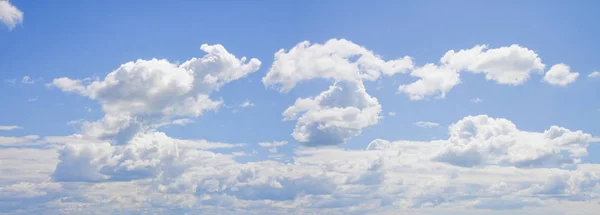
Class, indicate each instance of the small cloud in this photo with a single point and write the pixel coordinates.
(9, 127)
(476, 100)
(594, 74)
(425, 124)
(32, 99)
(27, 80)
(246, 104)
(89, 109)
(595, 140)
(272, 145)
(392, 113)
(561, 75)
(183, 121)
(10, 15)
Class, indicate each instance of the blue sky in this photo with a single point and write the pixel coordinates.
(75, 40)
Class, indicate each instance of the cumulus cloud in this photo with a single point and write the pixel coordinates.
(9, 127)
(560, 74)
(433, 81)
(390, 177)
(144, 94)
(510, 65)
(505, 65)
(594, 74)
(482, 140)
(335, 115)
(342, 111)
(425, 124)
(337, 59)
(10, 15)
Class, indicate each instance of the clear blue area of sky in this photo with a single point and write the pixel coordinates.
(79, 39)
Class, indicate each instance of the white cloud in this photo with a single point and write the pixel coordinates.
(183, 121)
(477, 100)
(246, 104)
(335, 115)
(594, 74)
(340, 60)
(342, 111)
(32, 99)
(482, 140)
(18, 141)
(10, 15)
(560, 74)
(425, 124)
(9, 127)
(145, 94)
(433, 81)
(27, 80)
(392, 113)
(487, 165)
(272, 144)
(506, 65)
(401, 177)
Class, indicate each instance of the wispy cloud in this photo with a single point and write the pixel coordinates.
(246, 104)
(183, 121)
(476, 100)
(425, 124)
(27, 80)
(9, 127)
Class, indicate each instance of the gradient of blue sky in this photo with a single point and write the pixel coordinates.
(80, 39)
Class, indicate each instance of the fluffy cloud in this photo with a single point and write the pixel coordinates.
(9, 14)
(342, 111)
(560, 74)
(433, 81)
(340, 60)
(594, 74)
(335, 115)
(505, 65)
(144, 94)
(155, 171)
(481, 140)
(510, 65)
